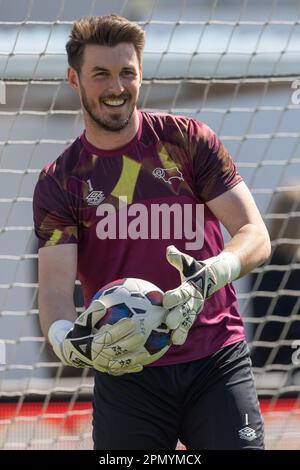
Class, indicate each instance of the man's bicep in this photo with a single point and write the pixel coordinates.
(58, 267)
(236, 208)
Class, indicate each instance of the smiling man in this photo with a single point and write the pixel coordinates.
(107, 80)
(129, 162)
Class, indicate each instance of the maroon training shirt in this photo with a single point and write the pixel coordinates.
(172, 161)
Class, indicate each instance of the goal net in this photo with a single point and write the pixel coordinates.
(233, 64)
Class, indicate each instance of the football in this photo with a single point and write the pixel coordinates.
(140, 300)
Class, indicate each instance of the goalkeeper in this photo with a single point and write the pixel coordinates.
(201, 390)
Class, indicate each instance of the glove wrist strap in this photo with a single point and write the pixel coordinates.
(226, 266)
(233, 263)
(56, 335)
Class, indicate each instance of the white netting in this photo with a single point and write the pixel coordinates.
(232, 64)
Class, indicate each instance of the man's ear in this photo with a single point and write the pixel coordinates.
(141, 74)
(73, 79)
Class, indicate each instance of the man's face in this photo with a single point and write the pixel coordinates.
(108, 84)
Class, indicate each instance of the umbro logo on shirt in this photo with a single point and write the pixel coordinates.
(94, 198)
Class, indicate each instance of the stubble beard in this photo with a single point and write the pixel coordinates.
(115, 124)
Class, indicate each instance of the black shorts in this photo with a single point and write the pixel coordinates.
(207, 404)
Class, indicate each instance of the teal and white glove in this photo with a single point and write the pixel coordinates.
(112, 348)
(200, 279)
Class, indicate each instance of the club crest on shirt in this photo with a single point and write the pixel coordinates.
(168, 174)
(94, 198)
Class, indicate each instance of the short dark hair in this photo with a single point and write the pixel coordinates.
(109, 30)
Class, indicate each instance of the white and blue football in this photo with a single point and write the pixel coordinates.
(142, 302)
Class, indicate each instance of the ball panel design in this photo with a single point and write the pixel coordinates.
(155, 297)
(156, 341)
(106, 289)
(115, 314)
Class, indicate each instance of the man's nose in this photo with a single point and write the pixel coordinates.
(116, 85)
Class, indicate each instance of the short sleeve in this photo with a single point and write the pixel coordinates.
(214, 170)
(54, 220)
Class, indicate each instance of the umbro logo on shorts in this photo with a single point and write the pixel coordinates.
(248, 434)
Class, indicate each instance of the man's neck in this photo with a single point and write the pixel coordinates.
(106, 140)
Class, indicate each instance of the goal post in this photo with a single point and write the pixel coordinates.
(232, 64)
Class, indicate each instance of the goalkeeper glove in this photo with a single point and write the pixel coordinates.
(127, 354)
(110, 349)
(200, 279)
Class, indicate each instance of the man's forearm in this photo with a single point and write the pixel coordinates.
(53, 307)
(252, 245)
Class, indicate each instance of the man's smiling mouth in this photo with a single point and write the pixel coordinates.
(115, 103)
